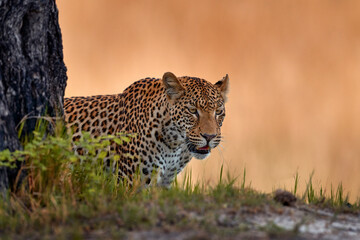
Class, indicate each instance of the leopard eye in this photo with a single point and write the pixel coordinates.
(219, 111)
(192, 110)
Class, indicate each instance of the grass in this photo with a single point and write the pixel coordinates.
(338, 200)
(71, 196)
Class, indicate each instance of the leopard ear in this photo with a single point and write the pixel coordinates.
(223, 86)
(173, 88)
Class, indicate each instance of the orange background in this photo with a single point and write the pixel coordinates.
(294, 68)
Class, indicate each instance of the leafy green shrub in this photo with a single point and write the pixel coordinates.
(53, 169)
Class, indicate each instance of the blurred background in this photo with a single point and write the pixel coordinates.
(294, 67)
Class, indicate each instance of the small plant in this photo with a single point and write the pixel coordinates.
(296, 183)
(244, 179)
(310, 192)
(56, 175)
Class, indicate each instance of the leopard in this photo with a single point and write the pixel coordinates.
(172, 119)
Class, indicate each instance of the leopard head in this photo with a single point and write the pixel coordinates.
(197, 109)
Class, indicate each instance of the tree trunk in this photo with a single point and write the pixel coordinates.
(32, 70)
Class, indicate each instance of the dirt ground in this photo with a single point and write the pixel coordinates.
(266, 222)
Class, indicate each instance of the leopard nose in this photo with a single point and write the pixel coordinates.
(208, 137)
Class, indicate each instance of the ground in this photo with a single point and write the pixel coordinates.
(231, 214)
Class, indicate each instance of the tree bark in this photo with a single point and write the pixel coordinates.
(32, 70)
